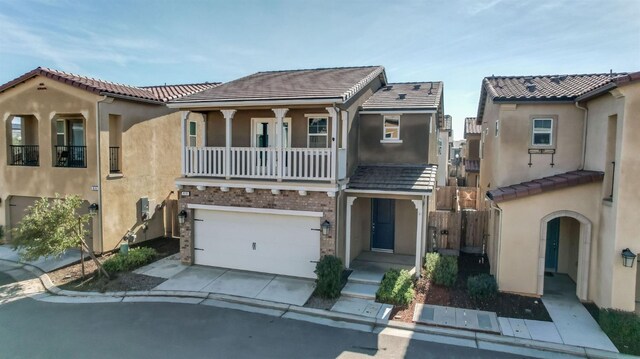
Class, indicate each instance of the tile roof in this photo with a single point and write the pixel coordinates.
(472, 165)
(545, 184)
(471, 127)
(616, 82)
(331, 83)
(172, 92)
(395, 178)
(546, 87)
(408, 95)
(97, 86)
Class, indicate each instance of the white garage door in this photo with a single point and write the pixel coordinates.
(262, 242)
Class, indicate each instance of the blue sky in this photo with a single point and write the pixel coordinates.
(455, 41)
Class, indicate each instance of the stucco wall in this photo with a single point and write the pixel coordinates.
(51, 101)
(568, 247)
(414, 133)
(519, 244)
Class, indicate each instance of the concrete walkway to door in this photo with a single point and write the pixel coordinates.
(270, 287)
(574, 323)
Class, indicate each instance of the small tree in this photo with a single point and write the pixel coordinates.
(50, 227)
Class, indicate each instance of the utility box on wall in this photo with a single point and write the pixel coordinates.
(143, 209)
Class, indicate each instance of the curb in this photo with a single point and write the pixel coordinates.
(375, 323)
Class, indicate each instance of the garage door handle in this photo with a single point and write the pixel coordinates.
(198, 249)
(314, 261)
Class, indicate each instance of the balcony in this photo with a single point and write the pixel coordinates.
(24, 155)
(70, 156)
(114, 159)
(264, 163)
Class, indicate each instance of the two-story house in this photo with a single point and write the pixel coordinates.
(282, 167)
(115, 146)
(471, 158)
(560, 168)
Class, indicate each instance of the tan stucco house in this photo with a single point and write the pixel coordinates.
(471, 153)
(560, 169)
(114, 145)
(282, 167)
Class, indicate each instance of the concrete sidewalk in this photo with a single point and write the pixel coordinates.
(46, 264)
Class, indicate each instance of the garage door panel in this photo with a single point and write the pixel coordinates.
(284, 244)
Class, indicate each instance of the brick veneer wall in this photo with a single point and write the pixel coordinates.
(238, 197)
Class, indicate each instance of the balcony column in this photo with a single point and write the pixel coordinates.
(184, 117)
(419, 219)
(228, 116)
(333, 114)
(280, 113)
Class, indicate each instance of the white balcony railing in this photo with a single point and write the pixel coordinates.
(255, 162)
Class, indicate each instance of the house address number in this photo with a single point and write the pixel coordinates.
(185, 193)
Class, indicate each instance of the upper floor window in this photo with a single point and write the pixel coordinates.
(22, 138)
(70, 149)
(193, 134)
(391, 129)
(318, 132)
(542, 132)
(439, 146)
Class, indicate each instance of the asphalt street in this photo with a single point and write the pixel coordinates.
(34, 329)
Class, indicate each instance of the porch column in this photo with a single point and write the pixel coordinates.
(184, 118)
(204, 129)
(280, 112)
(228, 116)
(347, 248)
(334, 144)
(418, 204)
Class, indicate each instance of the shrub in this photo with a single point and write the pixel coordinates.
(396, 288)
(623, 329)
(482, 286)
(430, 262)
(137, 257)
(329, 272)
(1, 233)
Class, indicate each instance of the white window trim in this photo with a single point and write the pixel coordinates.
(195, 135)
(319, 116)
(541, 131)
(390, 140)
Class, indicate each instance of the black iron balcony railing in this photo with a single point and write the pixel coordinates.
(24, 155)
(71, 156)
(114, 159)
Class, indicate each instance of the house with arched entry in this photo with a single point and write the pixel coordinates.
(559, 167)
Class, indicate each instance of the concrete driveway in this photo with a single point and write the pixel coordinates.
(274, 288)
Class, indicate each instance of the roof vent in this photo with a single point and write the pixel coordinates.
(528, 80)
(416, 87)
(402, 96)
(387, 88)
(563, 77)
(555, 79)
(531, 87)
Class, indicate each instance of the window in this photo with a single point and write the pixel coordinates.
(17, 131)
(391, 129)
(193, 134)
(497, 127)
(318, 132)
(60, 133)
(542, 133)
(439, 146)
(70, 148)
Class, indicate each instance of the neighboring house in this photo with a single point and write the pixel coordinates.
(114, 145)
(444, 140)
(280, 168)
(560, 167)
(471, 159)
(456, 153)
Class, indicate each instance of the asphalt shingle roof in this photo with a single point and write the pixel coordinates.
(155, 93)
(408, 95)
(330, 83)
(391, 178)
(471, 127)
(545, 87)
(545, 184)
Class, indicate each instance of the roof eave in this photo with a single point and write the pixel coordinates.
(131, 98)
(596, 92)
(420, 110)
(254, 102)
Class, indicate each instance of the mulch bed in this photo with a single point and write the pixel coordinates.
(317, 302)
(70, 278)
(505, 305)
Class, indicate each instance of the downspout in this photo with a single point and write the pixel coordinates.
(99, 173)
(584, 135)
(499, 243)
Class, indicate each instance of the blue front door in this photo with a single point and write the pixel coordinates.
(551, 254)
(383, 224)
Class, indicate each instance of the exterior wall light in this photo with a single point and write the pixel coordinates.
(93, 209)
(325, 227)
(182, 216)
(628, 258)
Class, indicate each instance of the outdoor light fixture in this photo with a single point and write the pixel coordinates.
(182, 216)
(93, 209)
(628, 257)
(325, 227)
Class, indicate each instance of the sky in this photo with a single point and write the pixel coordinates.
(458, 42)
